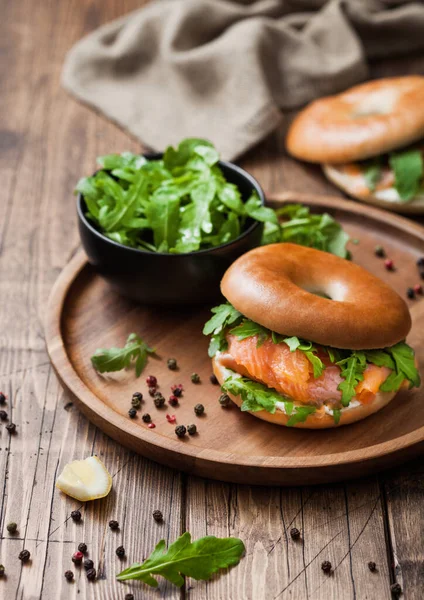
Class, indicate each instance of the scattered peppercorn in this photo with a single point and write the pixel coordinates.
(213, 379)
(120, 551)
(171, 418)
(372, 566)
(132, 413)
(77, 557)
(420, 262)
(396, 589)
(151, 425)
(151, 381)
(76, 516)
(177, 390)
(138, 395)
(224, 400)
(11, 428)
(418, 289)
(173, 400)
(91, 574)
(192, 429)
(410, 293)
(12, 527)
(294, 533)
(3, 415)
(24, 555)
(82, 547)
(152, 391)
(326, 566)
(199, 409)
(172, 364)
(129, 597)
(88, 564)
(379, 251)
(113, 524)
(157, 514)
(389, 264)
(69, 575)
(195, 378)
(159, 400)
(2, 570)
(136, 399)
(146, 418)
(180, 430)
(2, 398)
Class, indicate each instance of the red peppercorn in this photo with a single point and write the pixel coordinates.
(77, 557)
(151, 381)
(418, 289)
(171, 418)
(151, 425)
(389, 264)
(173, 400)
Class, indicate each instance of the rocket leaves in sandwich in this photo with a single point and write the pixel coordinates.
(337, 413)
(352, 372)
(404, 359)
(408, 169)
(199, 559)
(300, 414)
(248, 329)
(135, 352)
(256, 396)
(372, 173)
(224, 315)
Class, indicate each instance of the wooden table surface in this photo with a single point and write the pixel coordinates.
(47, 140)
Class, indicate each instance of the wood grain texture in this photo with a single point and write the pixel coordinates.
(47, 141)
(84, 314)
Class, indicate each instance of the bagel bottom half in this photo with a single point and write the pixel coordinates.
(321, 420)
(353, 185)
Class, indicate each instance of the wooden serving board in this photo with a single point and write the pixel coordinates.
(85, 314)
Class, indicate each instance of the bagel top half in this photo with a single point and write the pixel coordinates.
(365, 121)
(314, 295)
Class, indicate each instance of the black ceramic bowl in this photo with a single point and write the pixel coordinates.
(160, 278)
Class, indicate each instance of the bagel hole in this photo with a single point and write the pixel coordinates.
(335, 291)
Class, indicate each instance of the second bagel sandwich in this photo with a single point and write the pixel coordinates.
(308, 339)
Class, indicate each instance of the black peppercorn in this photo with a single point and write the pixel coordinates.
(224, 400)
(159, 400)
(173, 400)
(199, 409)
(69, 575)
(396, 590)
(11, 428)
(113, 524)
(410, 293)
(195, 378)
(2, 398)
(12, 527)
(152, 391)
(372, 566)
(120, 551)
(2, 570)
(172, 364)
(91, 574)
(180, 430)
(192, 429)
(76, 516)
(136, 399)
(326, 566)
(177, 390)
(213, 379)
(146, 418)
(379, 251)
(157, 514)
(129, 597)
(24, 556)
(3, 415)
(88, 564)
(138, 395)
(294, 533)
(82, 547)
(132, 413)
(420, 262)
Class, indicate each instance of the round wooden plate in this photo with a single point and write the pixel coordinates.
(85, 314)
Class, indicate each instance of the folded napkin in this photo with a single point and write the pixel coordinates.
(225, 70)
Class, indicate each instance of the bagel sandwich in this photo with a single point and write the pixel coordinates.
(369, 141)
(307, 339)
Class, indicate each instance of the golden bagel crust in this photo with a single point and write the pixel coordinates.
(269, 285)
(366, 120)
(314, 421)
(387, 198)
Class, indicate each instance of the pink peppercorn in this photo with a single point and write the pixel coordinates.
(151, 425)
(173, 400)
(171, 418)
(418, 289)
(77, 557)
(389, 264)
(151, 381)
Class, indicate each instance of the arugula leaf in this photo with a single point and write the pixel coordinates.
(163, 214)
(198, 559)
(301, 413)
(408, 169)
(393, 382)
(257, 211)
(352, 371)
(337, 413)
(224, 315)
(372, 174)
(256, 396)
(248, 329)
(404, 358)
(116, 359)
(316, 362)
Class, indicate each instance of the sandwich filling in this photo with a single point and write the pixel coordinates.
(271, 371)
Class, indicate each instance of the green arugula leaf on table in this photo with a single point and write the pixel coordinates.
(408, 169)
(115, 359)
(198, 559)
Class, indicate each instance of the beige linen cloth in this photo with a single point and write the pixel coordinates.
(226, 69)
